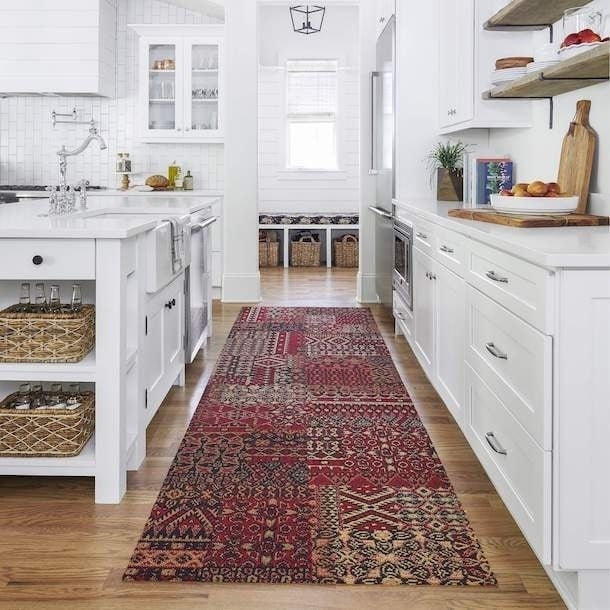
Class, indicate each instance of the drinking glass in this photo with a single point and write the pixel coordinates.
(41, 297)
(37, 395)
(54, 300)
(167, 89)
(24, 299)
(77, 299)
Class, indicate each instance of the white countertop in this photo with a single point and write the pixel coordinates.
(551, 247)
(132, 192)
(29, 219)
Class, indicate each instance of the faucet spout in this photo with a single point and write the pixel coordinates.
(64, 153)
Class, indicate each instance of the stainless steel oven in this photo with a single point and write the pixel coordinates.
(402, 274)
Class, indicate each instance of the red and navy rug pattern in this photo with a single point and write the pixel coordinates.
(306, 462)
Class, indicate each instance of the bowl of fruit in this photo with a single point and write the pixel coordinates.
(534, 198)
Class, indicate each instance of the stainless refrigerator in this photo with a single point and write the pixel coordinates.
(383, 158)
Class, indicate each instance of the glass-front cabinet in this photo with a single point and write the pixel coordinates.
(181, 90)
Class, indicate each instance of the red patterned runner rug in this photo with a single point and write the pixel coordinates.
(306, 462)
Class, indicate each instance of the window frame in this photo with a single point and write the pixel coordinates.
(333, 118)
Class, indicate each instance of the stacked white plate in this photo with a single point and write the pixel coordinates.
(536, 66)
(501, 77)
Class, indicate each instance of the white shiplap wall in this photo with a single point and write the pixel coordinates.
(28, 142)
(281, 191)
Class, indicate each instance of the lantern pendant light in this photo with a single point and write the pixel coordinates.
(307, 19)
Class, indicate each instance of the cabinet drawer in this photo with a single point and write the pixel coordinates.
(424, 236)
(519, 469)
(403, 316)
(450, 250)
(47, 259)
(515, 360)
(521, 287)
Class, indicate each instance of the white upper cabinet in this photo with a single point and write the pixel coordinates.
(385, 10)
(62, 47)
(467, 56)
(181, 83)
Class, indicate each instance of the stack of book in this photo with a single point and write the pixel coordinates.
(486, 175)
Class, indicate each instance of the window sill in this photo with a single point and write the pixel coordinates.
(311, 174)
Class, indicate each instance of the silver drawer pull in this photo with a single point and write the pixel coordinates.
(399, 315)
(421, 235)
(495, 352)
(492, 441)
(447, 249)
(492, 275)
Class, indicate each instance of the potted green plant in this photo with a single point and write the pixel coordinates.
(445, 161)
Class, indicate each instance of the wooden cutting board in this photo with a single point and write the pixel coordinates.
(577, 155)
(530, 222)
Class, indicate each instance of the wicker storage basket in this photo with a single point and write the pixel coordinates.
(268, 249)
(46, 337)
(60, 433)
(346, 251)
(305, 252)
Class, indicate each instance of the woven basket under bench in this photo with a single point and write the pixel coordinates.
(46, 337)
(46, 433)
(268, 249)
(346, 251)
(305, 252)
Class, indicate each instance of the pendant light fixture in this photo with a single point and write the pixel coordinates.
(307, 19)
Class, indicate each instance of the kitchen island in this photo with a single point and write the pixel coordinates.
(139, 336)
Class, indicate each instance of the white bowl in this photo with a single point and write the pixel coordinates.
(534, 206)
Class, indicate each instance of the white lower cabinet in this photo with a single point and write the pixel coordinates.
(164, 343)
(438, 337)
(423, 308)
(519, 469)
(520, 355)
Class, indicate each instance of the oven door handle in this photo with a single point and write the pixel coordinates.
(205, 224)
(380, 212)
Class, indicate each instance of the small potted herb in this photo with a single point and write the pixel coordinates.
(445, 161)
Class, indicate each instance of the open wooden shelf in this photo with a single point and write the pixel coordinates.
(531, 14)
(588, 68)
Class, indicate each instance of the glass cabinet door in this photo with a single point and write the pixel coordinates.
(203, 109)
(163, 115)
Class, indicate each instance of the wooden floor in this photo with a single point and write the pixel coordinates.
(58, 550)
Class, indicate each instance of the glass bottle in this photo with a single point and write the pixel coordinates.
(179, 181)
(24, 298)
(126, 163)
(77, 299)
(188, 181)
(119, 163)
(37, 395)
(54, 300)
(24, 399)
(41, 298)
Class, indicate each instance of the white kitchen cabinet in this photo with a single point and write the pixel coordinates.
(384, 11)
(438, 337)
(164, 343)
(181, 83)
(456, 69)
(449, 339)
(467, 55)
(423, 310)
(61, 47)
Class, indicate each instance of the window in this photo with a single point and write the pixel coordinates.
(312, 114)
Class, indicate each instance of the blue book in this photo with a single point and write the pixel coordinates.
(493, 176)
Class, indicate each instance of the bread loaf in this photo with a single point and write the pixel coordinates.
(157, 182)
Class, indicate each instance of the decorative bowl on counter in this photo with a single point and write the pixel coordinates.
(534, 206)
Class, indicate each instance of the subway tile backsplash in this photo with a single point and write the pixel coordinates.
(29, 143)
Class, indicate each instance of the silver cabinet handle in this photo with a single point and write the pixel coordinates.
(421, 235)
(380, 212)
(495, 352)
(399, 315)
(427, 275)
(374, 169)
(492, 275)
(492, 441)
(447, 249)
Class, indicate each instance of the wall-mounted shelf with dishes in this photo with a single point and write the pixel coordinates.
(531, 14)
